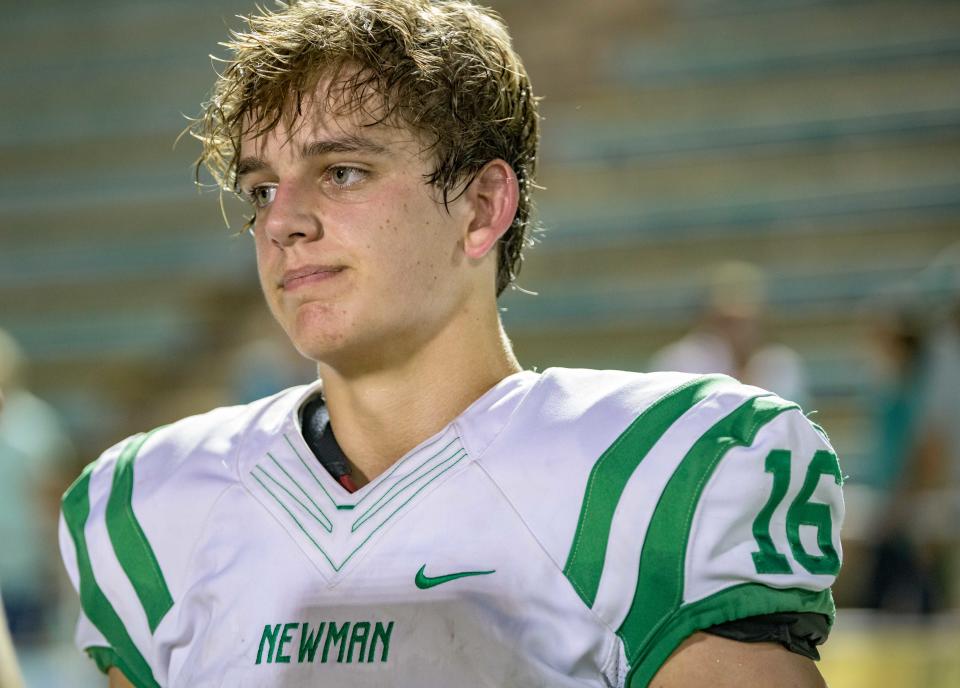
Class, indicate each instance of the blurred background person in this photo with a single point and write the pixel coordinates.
(33, 449)
(907, 488)
(731, 338)
(9, 672)
(936, 518)
(901, 577)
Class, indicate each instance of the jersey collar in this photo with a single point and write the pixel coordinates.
(333, 526)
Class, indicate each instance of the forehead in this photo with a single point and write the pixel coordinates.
(334, 110)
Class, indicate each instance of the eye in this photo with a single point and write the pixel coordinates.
(262, 195)
(344, 176)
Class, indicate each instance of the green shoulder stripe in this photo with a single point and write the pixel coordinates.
(130, 543)
(659, 591)
(748, 599)
(610, 475)
(76, 509)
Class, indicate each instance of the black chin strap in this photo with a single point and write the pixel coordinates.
(318, 433)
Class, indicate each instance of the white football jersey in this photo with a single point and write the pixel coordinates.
(570, 528)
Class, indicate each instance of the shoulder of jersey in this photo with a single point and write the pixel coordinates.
(569, 418)
(199, 450)
(161, 485)
(672, 503)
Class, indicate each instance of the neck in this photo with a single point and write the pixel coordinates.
(381, 413)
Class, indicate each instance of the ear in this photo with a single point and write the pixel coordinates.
(493, 196)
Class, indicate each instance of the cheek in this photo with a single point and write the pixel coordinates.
(263, 270)
(411, 271)
(267, 276)
(419, 246)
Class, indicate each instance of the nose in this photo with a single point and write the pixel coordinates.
(291, 217)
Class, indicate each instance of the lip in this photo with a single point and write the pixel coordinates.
(292, 279)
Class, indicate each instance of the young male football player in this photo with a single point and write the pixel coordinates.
(428, 513)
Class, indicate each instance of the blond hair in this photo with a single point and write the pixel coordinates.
(444, 69)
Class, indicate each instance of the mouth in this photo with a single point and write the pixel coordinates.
(309, 274)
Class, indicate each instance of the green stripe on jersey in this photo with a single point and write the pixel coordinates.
(130, 543)
(76, 509)
(659, 591)
(737, 602)
(612, 471)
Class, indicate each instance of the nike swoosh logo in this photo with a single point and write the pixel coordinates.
(424, 581)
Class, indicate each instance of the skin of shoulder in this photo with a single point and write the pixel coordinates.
(117, 679)
(709, 660)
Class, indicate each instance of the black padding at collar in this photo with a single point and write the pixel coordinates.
(318, 433)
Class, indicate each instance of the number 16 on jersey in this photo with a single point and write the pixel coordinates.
(801, 512)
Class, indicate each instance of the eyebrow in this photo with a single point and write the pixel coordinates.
(312, 149)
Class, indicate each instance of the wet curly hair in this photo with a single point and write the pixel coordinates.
(445, 69)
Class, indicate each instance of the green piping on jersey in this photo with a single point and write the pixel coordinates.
(76, 509)
(310, 471)
(412, 477)
(397, 510)
(295, 519)
(129, 542)
(318, 516)
(448, 465)
(612, 471)
(409, 457)
(747, 599)
(660, 583)
(407, 483)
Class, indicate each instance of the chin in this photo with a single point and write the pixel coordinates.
(313, 337)
(330, 335)
(320, 346)
(349, 353)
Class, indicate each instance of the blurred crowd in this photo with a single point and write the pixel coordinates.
(906, 495)
(902, 536)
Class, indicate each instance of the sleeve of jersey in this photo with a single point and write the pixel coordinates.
(123, 595)
(748, 523)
